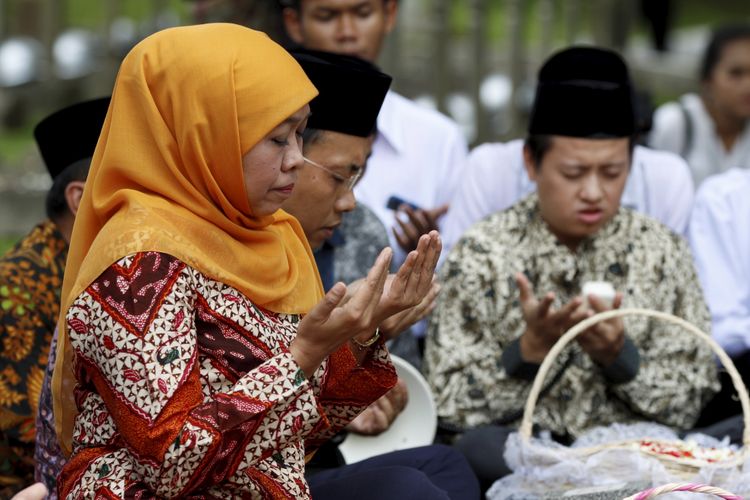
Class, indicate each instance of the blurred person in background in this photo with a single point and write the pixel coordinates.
(31, 275)
(720, 239)
(711, 130)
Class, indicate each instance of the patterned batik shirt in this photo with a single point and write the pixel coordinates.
(31, 276)
(187, 389)
(479, 316)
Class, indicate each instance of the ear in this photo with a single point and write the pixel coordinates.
(73, 194)
(391, 14)
(528, 160)
(293, 24)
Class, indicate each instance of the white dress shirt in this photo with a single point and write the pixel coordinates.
(706, 154)
(417, 156)
(659, 185)
(719, 235)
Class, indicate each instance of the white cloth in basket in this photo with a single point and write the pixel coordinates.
(542, 465)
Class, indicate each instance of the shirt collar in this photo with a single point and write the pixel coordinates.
(390, 122)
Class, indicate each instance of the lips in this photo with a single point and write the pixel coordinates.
(590, 215)
(286, 189)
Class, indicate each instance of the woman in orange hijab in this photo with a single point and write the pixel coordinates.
(188, 365)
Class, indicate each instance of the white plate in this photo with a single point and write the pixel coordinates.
(415, 426)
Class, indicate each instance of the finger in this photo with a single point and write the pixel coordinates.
(525, 289)
(618, 300)
(569, 309)
(410, 232)
(400, 281)
(418, 218)
(377, 291)
(431, 259)
(36, 491)
(374, 282)
(545, 304)
(323, 309)
(415, 287)
(438, 212)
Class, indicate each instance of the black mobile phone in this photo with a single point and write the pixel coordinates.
(394, 202)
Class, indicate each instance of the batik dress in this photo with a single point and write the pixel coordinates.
(187, 389)
(30, 281)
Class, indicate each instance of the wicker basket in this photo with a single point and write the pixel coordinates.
(688, 487)
(683, 467)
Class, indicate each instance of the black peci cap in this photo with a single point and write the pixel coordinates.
(584, 92)
(351, 92)
(70, 134)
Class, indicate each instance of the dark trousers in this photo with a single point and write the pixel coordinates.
(430, 472)
(726, 403)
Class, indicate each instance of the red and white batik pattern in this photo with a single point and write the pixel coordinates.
(187, 389)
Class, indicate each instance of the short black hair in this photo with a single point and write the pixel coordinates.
(539, 144)
(55, 204)
(720, 38)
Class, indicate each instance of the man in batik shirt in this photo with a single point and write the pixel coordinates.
(512, 285)
(30, 281)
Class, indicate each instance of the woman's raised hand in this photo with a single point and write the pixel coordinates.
(333, 322)
(413, 282)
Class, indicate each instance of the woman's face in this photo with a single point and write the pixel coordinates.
(729, 84)
(270, 167)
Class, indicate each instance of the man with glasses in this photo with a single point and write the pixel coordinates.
(337, 143)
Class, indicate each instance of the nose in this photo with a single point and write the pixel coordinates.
(345, 202)
(346, 29)
(591, 190)
(293, 158)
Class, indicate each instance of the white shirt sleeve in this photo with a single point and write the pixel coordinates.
(489, 182)
(668, 132)
(720, 249)
(667, 187)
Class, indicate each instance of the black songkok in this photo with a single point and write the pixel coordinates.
(351, 92)
(583, 92)
(70, 134)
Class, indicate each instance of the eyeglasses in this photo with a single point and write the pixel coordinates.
(349, 182)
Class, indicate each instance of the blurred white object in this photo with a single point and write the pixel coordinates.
(75, 53)
(413, 427)
(123, 35)
(461, 108)
(426, 101)
(21, 60)
(602, 290)
(495, 92)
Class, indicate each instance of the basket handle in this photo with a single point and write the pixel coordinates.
(691, 487)
(567, 337)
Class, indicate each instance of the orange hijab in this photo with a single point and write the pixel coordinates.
(167, 176)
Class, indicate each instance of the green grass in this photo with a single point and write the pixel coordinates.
(15, 145)
(7, 241)
(89, 13)
(686, 13)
